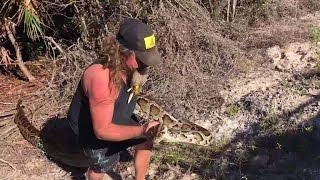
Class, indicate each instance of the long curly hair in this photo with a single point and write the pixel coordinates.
(113, 56)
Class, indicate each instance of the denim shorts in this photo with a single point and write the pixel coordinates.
(105, 158)
(104, 155)
(100, 160)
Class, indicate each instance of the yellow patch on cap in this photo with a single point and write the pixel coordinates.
(150, 41)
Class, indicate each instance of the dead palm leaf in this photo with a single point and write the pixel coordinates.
(5, 58)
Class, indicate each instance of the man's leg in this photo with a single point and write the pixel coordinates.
(142, 158)
(100, 163)
(92, 175)
(141, 163)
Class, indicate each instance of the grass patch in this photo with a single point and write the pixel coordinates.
(175, 153)
(176, 158)
(261, 3)
(317, 67)
(189, 157)
(315, 34)
(233, 110)
(269, 123)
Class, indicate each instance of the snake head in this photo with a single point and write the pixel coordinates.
(136, 89)
(137, 82)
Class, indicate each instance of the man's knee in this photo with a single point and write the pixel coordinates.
(147, 145)
(93, 175)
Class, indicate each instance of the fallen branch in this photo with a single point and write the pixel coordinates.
(234, 9)
(6, 162)
(5, 58)
(6, 115)
(228, 11)
(13, 41)
(54, 43)
(27, 63)
(86, 33)
(13, 131)
(5, 122)
(6, 131)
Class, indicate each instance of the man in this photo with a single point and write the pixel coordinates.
(100, 113)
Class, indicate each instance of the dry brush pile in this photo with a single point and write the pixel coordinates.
(196, 59)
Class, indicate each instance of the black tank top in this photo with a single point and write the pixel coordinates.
(80, 119)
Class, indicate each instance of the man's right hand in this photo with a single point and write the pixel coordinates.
(151, 129)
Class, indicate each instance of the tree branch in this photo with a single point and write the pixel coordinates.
(13, 41)
(6, 162)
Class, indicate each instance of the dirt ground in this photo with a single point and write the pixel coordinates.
(264, 109)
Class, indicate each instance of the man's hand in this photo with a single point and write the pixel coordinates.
(150, 131)
(151, 128)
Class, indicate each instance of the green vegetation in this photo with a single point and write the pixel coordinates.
(189, 157)
(261, 3)
(317, 67)
(32, 25)
(233, 110)
(269, 123)
(315, 34)
(175, 158)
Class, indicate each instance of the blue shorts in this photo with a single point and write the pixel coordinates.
(100, 161)
(105, 159)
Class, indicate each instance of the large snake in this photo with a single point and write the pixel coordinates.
(59, 144)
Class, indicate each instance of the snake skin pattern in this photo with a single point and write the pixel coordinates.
(171, 129)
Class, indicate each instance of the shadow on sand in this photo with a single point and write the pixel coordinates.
(292, 154)
(61, 146)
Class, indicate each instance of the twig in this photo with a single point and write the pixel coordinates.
(5, 103)
(86, 33)
(6, 162)
(5, 57)
(28, 64)
(228, 11)
(176, 170)
(13, 41)
(7, 130)
(234, 9)
(6, 115)
(55, 43)
(4, 122)
(211, 8)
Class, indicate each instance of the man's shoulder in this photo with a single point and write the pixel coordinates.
(96, 70)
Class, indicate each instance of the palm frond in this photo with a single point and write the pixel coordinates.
(32, 24)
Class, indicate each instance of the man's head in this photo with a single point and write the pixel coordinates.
(139, 37)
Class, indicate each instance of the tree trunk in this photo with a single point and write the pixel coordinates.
(13, 41)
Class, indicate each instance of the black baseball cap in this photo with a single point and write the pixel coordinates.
(139, 37)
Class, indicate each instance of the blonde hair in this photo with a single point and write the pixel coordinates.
(113, 57)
